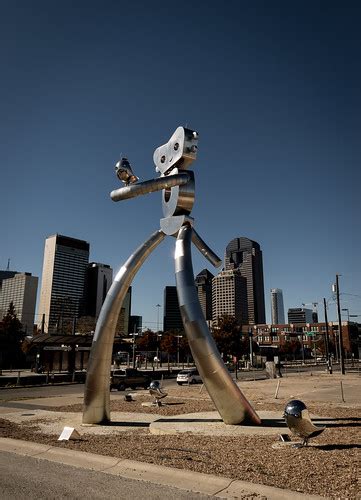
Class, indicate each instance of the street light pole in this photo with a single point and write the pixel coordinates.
(250, 347)
(134, 334)
(158, 306)
(340, 340)
(178, 337)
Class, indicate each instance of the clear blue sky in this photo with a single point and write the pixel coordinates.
(273, 88)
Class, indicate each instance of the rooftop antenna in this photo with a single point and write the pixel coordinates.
(8, 266)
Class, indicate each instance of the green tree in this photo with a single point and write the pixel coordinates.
(184, 348)
(85, 324)
(228, 336)
(10, 322)
(169, 343)
(290, 348)
(11, 337)
(147, 342)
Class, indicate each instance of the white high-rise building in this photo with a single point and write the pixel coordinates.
(277, 308)
(62, 283)
(21, 291)
(229, 295)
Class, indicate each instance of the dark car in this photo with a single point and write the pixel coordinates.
(130, 377)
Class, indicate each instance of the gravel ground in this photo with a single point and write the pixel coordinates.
(330, 466)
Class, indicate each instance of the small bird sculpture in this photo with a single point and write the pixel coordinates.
(299, 422)
(124, 172)
(156, 391)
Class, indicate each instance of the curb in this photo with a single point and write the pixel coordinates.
(196, 482)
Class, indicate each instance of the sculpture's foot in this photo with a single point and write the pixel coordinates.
(158, 403)
(297, 445)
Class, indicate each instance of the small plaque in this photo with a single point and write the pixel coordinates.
(285, 438)
(69, 433)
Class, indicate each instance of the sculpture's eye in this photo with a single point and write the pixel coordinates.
(162, 160)
(176, 146)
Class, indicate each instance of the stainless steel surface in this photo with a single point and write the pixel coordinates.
(179, 200)
(299, 421)
(227, 397)
(124, 172)
(205, 250)
(171, 160)
(156, 390)
(97, 390)
(171, 225)
(180, 151)
(150, 186)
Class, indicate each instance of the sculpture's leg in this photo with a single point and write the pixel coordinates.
(228, 399)
(97, 390)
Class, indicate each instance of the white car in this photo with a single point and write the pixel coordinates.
(189, 376)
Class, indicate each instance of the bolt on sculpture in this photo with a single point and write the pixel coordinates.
(177, 183)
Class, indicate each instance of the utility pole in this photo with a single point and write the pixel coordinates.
(328, 356)
(340, 340)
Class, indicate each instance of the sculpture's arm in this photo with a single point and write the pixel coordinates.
(205, 250)
(150, 186)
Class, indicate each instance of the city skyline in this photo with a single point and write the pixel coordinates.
(276, 303)
(273, 93)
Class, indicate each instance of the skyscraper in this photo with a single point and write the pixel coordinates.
(4, 275)
(172, 315)
(21, 291)
(62, 283)
(299, 315)
(122, 327)
(97, 283)
(246, 255)
(277, 308)
(203, 283)
(229, 295)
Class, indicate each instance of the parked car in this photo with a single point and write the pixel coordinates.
(130, 377)
(189, 376)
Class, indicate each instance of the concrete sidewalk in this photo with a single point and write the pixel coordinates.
(217, 486)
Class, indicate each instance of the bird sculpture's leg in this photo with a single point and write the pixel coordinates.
(97, 393)
(228, 399)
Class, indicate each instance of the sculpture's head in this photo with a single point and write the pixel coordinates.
(179, 152)
(124, 172)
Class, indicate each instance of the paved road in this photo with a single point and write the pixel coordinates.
(26, 478)
(47, 391)
(16, 393)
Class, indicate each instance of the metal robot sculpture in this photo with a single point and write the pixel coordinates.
(177, 184)
(299, 422)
